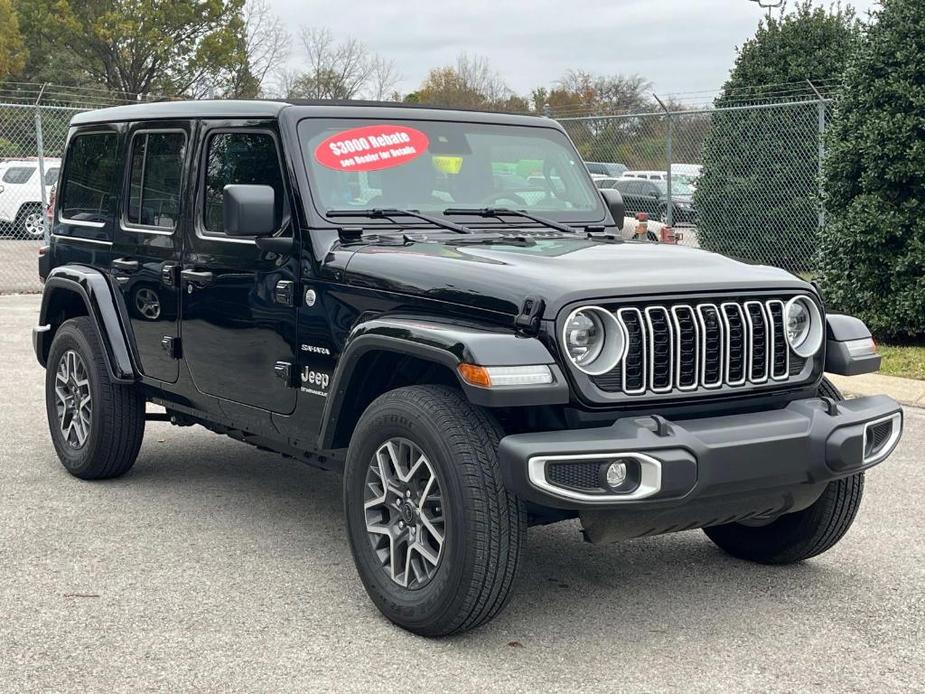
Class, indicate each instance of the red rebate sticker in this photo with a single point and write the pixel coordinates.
(371, 148)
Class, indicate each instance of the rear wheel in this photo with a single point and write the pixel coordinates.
(96, 425)
(435, 535)
(797, 536)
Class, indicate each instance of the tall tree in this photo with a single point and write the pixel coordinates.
(139, 47)
(12, 47)
(263, 47)
(581, 93)
(873, 253)
(758, 195)
(471, 83)
(338, 69)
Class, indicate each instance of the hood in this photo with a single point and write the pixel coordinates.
(558, 270)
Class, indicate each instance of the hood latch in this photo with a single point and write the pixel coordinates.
(527, 321)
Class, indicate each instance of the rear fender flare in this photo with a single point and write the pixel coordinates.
(94, 290)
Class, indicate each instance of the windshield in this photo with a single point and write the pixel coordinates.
(430, 166)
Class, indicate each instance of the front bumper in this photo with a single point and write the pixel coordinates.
(754, 464)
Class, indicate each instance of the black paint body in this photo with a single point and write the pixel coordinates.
(212, 353)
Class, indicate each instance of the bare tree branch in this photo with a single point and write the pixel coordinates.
(383, 79)
(268, 41)
(340, 69)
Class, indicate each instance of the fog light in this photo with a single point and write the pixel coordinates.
(616, 474)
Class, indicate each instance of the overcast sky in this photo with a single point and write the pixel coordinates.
(679, 45)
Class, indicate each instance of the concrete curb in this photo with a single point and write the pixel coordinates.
(906, 391)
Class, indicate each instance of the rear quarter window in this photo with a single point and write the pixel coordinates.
(92, 177)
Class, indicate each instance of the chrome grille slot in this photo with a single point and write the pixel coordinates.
(758, 341)
(687, 336)
(711, 346)
(734, 322)
(684, 347)
(780, 352)
(634, 363)
(658, 323)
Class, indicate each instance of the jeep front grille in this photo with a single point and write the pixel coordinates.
(682, 347)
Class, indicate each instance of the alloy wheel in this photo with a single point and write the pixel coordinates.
(405, 513)
(73, 401)
(34, 225)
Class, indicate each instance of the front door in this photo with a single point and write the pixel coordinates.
(238, 329)
(146, 245)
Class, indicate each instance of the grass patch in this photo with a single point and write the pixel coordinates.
(907, 361)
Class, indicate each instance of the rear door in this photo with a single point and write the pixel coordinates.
(238, 327)
(146, 247)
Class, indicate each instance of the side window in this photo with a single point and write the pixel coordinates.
(18, 174)
(51, 176)
(91, 180)
(239, 158)
(156, 168)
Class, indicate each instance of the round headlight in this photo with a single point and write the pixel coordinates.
(804, 326)
(593, 340)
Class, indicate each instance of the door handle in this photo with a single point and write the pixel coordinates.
(196, 278)
(125, 265)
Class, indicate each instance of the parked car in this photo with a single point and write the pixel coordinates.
(603, 168)
(471, 367)
(651, 197)
(604, 182)
(21, 211)
(686, 179)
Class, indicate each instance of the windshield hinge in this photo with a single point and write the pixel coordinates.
(527, 321)
(350, 234)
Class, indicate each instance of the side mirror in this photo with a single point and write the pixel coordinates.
(249, 210)
(614, 202)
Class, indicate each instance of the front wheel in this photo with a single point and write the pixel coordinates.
(435, 535)
(797, 536)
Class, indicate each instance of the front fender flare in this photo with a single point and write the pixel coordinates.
(448, 345)
(91, 286)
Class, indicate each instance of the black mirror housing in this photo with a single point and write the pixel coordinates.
(249, 210)
(614, 202)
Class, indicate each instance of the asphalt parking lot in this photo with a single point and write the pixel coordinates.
(18, 265)
(214, 567)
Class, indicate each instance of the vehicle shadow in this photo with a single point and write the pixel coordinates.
(640, 590)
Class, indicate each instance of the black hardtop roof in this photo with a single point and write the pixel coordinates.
(259, 108)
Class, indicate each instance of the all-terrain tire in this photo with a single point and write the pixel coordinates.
(484, 523)
(797, 536)
(117, 416)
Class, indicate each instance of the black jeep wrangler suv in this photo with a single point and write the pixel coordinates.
(440, 306)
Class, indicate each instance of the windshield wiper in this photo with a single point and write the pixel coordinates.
(388, 213)
(500, 212)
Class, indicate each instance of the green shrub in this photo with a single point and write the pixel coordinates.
(872, 257)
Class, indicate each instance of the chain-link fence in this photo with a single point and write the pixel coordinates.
(33, 128)
(743, 181)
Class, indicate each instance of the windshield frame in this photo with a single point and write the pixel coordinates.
(577, 218)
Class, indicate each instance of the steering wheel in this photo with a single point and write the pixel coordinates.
(497, 197)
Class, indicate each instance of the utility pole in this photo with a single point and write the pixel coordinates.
(768, 5)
